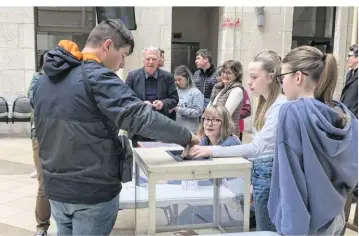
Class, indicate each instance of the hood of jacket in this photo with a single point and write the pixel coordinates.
(63, 58)
(332, 126)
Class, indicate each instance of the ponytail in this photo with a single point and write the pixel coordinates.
(328, 80)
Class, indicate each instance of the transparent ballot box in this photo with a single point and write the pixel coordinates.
(173, 195)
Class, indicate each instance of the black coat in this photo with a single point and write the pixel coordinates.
(205, 80)
(77, 153)
(350, 92)
(166, 88)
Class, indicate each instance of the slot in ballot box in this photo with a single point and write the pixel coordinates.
(209, 194)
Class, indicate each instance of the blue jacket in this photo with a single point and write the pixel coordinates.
(78, 157)
(315, 164)
(229, 141)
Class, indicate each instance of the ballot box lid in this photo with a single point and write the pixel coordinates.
(158, 160)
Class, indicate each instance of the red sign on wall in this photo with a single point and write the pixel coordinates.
(229, 23)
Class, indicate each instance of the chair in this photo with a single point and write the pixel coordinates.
(4, 110)
(350, 225)
(21, 110)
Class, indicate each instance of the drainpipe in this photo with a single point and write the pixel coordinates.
(355, 27)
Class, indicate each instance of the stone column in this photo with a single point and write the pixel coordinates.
(341, 45)
(17, 60)
(244, 42)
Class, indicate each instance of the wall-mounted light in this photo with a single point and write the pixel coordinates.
(260, 16)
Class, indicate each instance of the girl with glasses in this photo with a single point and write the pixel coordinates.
(263, 70)
(316, 160)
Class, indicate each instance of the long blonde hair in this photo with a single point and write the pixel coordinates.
(227, 126)
(271, 63)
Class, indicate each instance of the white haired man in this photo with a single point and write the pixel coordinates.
(154, 86)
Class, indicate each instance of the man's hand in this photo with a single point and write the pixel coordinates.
(195, 140)
(174, 110)
(157, 104)
(148, 103)
(200, 152)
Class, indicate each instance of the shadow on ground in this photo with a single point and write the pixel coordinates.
(15, 168)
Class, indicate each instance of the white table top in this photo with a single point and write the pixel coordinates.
(157, 160)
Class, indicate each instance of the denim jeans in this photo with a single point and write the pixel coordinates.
(261, 180)
(333, 228)
(85, 219)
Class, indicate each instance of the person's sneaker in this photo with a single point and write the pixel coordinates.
(33, 174)
(40, 233)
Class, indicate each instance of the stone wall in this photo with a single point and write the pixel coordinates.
(342, 42)
(17, 60)
(154, 27)
(244, 42)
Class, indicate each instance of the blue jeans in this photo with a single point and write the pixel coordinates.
(261, 180)
(85, 219)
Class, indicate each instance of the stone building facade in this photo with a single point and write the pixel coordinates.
(21, 39)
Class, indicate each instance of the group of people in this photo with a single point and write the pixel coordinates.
(302, 168)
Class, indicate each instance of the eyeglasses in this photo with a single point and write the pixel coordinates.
(352, 55)
(281, 76)
(207, 120)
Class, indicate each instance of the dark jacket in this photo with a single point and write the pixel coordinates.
(77, 154)
(166, 88)
(350, 92)
(205, 80)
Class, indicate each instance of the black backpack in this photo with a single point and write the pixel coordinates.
(121, 142)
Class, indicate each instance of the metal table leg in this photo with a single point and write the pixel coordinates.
(151, 206)
(216, 206)
(246, 195)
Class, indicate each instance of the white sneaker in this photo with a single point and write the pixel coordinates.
(33, 174)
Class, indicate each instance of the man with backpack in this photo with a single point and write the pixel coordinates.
(79, 105)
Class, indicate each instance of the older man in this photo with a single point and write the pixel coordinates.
(154, 86)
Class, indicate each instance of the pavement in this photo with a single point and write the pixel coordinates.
(18, 193)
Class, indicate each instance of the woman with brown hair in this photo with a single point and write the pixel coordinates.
(263, 70)
(316, 160)
(229, 91)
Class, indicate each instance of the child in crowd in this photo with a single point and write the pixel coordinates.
(262, 71)
(191, 100)
(316, 159)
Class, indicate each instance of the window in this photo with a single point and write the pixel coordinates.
(57, 23)
(125, 14)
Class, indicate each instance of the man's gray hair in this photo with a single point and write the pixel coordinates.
(152, 48)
